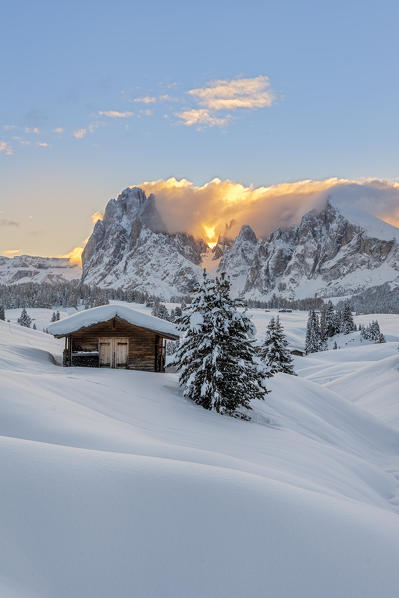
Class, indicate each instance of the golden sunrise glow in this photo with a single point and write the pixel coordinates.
(96, 216)
(211, 237)
(75, 255)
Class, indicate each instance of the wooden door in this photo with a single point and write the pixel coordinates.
(105, 352)
(113, 352)
(121, 350)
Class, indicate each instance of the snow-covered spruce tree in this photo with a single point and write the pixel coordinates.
(372, 332)
(347, 323)
(274, 352)
(323, 329)
(24, 319)
(2, 313)
(218, 366)
(330, 320)
(313, 340)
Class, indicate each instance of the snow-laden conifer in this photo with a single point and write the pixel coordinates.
(330, 320)
(274, 352)
(313, 339)
(218, 365)
(347, 323)
(372, 332)
(24, 319)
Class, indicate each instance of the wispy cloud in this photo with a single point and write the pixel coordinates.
(145, 100)
(202, 118)
(80, 133)
(58, 130)
(34, 130)
(230, 94)
(42, 144)
(115, 114)
(93, 126)
(9, 127)
(226, 95)
(4, 147)
(11, 251)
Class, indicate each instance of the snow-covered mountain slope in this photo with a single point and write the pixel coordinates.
(130, 248)
(113, 484)
(325, 255)
(27, 268)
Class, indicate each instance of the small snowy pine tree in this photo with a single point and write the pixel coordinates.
(347, 323)
(313, 340)
(274, 352)
(330, 320)
(24, 319)
(323, 329)
(2, 313)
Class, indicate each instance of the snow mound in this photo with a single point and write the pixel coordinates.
(375, 388)
(95, 315)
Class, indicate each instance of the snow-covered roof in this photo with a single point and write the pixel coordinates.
(104, 313)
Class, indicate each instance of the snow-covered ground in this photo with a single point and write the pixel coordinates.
(114, 485)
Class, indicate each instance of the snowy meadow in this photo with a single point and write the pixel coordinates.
(114, 484)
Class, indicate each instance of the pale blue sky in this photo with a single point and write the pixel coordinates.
(328, 108)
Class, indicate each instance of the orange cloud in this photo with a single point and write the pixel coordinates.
(96, 216)
(12, 251)
(222, 207)
(75, 255)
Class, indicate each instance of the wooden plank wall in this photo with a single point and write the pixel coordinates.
(145, 346)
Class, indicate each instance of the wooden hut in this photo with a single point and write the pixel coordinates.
(114, 336)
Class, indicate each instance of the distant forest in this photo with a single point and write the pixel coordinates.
(382, 299)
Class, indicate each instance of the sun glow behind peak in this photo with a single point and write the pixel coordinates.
(211, 237)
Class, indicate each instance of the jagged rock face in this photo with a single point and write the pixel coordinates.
(325, 255)
(239, 258)
(130, 248)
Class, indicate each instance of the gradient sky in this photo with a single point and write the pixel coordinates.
(95, 96)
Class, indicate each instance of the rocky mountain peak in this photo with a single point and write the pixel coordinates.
(246, 234)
